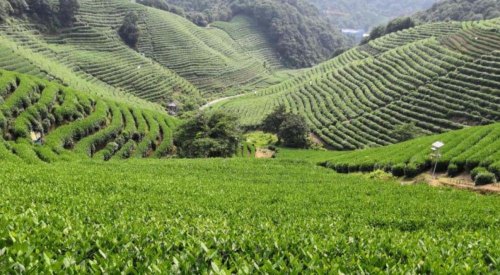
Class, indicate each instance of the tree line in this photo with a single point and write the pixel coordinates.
(46, 12)
(460, 10)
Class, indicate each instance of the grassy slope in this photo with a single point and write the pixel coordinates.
(75, 125)
(236, 215)
(441, 76)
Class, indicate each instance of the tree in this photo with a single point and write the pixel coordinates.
(129, 31)
(67, 10)
(208, 136)
(273, 121)
(5, 10)
(399, 24)
(406, 131)
(42, 10)
(294, 131)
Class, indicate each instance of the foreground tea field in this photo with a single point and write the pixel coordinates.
(236, 216)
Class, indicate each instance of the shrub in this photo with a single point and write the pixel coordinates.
(471, 164)
(398, 170)
(411, 170)
(495, 169)
(453, 170)
(294, 131)
(67, 10)
(342, 168)
(399, 24)
(484, 178)
(406, 132)
(129, 31)
(366, 167)
(215, 135)
(442, 165)
(380, 175)
(273, 148)
(352, 168)
(476, 171)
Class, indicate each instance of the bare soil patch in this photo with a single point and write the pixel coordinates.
(462, 181)
(263, 153)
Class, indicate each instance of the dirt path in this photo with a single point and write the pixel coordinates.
(463, 181)
(213, 102)
(316, 139)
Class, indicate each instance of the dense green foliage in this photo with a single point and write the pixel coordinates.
(236, 216)
(74, 125)
(129, 31)
(461, 10)
(440, 76)
(41, 11)
(273, 121)
(208, 136)
(398, 24)
(301, 36)
(366, 14)
(67, 12)
(291, 129)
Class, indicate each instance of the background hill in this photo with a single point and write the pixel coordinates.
(366, 14)
(174, 60)
(460, 10)
(300, 35)
(439, 76)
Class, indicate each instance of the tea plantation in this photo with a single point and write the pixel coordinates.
(464, 150)
(236, 216)
(73, 125)
(90, 181)
(441, 76)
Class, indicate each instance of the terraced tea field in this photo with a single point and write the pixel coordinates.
(464, 149)
(175, 60)
(73, 125)
(236, 216)
(250, 37)
(440, 76)
(209, 58)
(91, 61)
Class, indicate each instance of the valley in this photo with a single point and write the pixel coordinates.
(248, 136)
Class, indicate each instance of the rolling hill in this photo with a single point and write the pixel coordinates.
(73, 125)
(91, 183)
(440, 76)
(175, 60)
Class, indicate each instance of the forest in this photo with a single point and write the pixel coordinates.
(45, 12)
(461, 10)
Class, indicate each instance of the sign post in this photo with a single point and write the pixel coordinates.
(436, 155)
